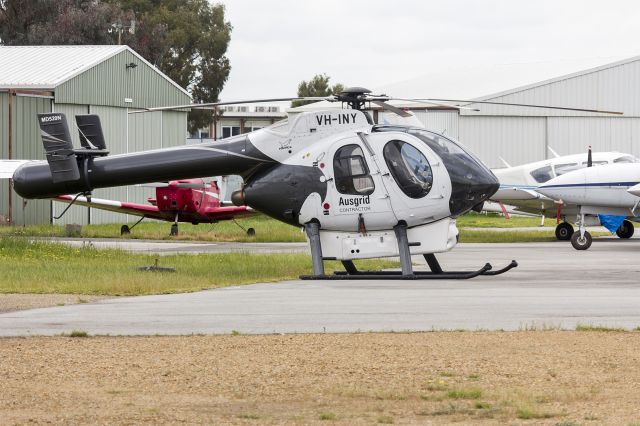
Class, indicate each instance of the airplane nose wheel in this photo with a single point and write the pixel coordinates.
(564, 231)
(581, 242)
(174, 229)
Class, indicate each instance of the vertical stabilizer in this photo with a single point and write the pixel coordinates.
(58, 147)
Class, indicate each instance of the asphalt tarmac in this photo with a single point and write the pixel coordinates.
(554, 286)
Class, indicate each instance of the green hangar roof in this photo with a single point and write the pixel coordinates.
(96, 75)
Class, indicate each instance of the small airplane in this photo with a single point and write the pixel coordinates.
(519, 185)
(188, 200)
(359, 189)
(608, 194)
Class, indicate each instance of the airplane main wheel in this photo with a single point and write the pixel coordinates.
(174, 229)
(564, 231)
(581, 243)
(124, 230)
(625, 230)
(251, 232)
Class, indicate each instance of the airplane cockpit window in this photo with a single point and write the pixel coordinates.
(409, 167)
(542, 174)
(561, 169)
(626, 159)
(350, 171)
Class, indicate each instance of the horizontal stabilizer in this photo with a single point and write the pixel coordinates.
(90, 131)
(58, 147)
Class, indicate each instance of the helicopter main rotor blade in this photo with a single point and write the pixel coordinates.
(212, 105)
(384, 105)
(525, 105)
(429, 102)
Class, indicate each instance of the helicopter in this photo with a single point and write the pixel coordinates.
(359, 189)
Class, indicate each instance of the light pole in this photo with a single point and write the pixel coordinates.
(119, 28)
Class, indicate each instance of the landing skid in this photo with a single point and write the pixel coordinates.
(352, 273)
(407, 272)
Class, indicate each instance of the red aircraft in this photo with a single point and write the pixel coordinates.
(188, 200)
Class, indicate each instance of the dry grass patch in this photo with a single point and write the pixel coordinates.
(361, 378)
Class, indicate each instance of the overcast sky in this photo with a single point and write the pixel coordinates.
(413, 48)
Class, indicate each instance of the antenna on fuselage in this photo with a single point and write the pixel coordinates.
(589, 159)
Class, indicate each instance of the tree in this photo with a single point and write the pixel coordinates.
(317, 86)
(185, 39)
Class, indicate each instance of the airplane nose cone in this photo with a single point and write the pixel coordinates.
(634, 190)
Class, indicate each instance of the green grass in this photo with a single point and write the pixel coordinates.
(271, 230)
(494, 220)
(590, 327)
(45, 267)
(267, 230)
(76, 333)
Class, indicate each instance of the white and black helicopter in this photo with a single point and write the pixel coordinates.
(360, 190)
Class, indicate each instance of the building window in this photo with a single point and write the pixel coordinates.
(409, 167)
(274, 109)
(228, 131)
(350, 171)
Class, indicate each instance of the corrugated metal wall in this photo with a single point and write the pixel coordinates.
(27, 145)
(111, 83)
(4, 153)
(444, 122)
(570, 135)
(614, 87)
(516, 139)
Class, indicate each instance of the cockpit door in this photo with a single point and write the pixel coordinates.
(356, 188)
(414, 176)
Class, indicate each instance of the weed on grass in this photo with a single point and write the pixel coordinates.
(526, 412)
(387, 420)
(589, 327)
(464, 393)
(248, 416)
(327, 416)
(76, 333)
(480, 405)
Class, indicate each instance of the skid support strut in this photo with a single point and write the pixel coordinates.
(313, 232)
(406, 272)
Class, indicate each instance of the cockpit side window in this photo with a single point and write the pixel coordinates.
(350, 171)
(626, 159)
(542, 174)
(409, 167)
(561, 169)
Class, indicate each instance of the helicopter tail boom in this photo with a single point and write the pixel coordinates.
(69, 170)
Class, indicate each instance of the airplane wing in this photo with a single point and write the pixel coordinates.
(229, 213)
(117, 206)
(506, 194)
(7, 167)
(527, 200)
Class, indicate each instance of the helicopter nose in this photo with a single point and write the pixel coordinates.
(472, 183)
